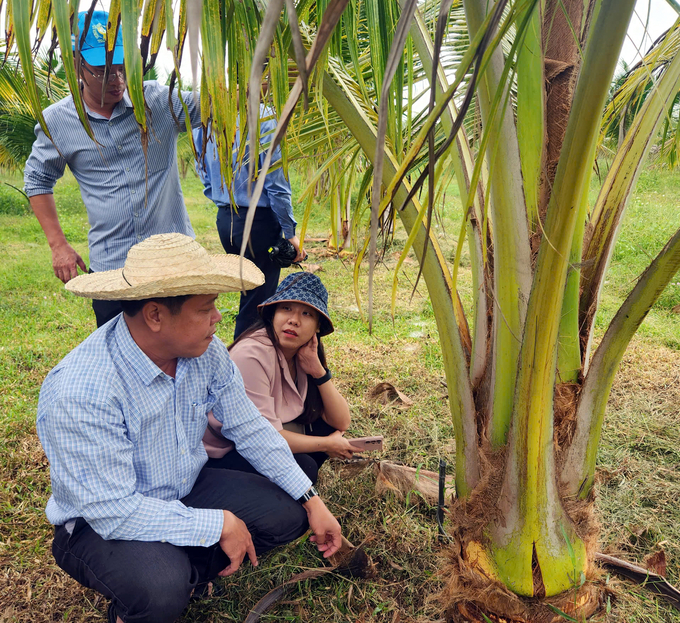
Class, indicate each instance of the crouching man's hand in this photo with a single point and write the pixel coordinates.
(325, 527)
(236, 542)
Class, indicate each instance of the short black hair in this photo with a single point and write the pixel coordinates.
(173, 303)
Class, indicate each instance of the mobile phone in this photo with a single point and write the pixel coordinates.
(368, 444)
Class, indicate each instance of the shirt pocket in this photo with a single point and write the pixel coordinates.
(161, 149)
(197, 420)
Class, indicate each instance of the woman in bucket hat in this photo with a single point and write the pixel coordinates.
(283, 364)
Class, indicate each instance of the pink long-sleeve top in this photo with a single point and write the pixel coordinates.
(268, 384)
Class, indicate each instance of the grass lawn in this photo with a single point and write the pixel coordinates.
(638, 478)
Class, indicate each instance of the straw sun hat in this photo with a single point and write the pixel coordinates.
(168, 265)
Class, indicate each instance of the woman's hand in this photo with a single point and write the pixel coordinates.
(308, 358)
(338, 447)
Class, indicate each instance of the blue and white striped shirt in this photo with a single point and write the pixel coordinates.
(124, 439)
(112, 176)
(276, 193)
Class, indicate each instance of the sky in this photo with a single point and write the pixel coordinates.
(658, 16)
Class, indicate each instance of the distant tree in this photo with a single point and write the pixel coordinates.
(17, 116)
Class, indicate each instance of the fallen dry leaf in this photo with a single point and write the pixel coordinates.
(676, 309)
(403, 480)
(656, 562)
(387, 393)
(407, 260)
(312, 268)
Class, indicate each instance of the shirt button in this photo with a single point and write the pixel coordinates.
(135, 214)
(132, 192)
(184, 480)
(139, 237)
(127, 169)
(110, 124)
(120, 147)
(183, 451)
(202, 541)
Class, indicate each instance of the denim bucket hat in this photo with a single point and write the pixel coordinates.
(303, 288)
(93, 50)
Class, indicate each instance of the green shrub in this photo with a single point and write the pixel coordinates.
(12, 201)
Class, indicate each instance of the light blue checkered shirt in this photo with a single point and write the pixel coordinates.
(276, 193)
(124, 439)
(111, 175)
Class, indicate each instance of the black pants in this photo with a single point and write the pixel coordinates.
(310, 463)
(265, 233)
(151, 581)
(105, 311)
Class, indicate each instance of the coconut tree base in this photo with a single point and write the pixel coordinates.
(470, 595)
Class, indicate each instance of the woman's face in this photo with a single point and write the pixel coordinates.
(294, 325)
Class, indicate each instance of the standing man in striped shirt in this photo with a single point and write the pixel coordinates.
(111, 172)
(137, 515)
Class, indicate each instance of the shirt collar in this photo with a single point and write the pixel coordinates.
(135, 356)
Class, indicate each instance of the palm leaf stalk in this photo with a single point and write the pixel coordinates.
(525, 461)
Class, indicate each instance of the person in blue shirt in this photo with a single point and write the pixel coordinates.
(123, 206)
(273, 217)
(137, 515)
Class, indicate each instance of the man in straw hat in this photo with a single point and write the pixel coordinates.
(137, 515)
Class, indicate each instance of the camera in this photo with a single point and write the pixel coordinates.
(283, 253)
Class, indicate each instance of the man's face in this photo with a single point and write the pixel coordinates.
(92, 83)
(189, 333)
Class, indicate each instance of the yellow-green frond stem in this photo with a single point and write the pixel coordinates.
(534, 523)
(512, 258)
(531, 110)
(578, 472)
(569, 358)
(438, 283)
(616, 191)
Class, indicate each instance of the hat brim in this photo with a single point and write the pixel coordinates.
(224, 276)
(324, 328)
(96, 57)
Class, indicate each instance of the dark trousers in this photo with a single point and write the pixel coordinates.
(105, 311)
(151, 581)
(310, 463)
(265, 232)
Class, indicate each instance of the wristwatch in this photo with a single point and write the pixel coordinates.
(322, 379)
(308, 495)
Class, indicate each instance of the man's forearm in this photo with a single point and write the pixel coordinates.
(45, 211)
(65, 260)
